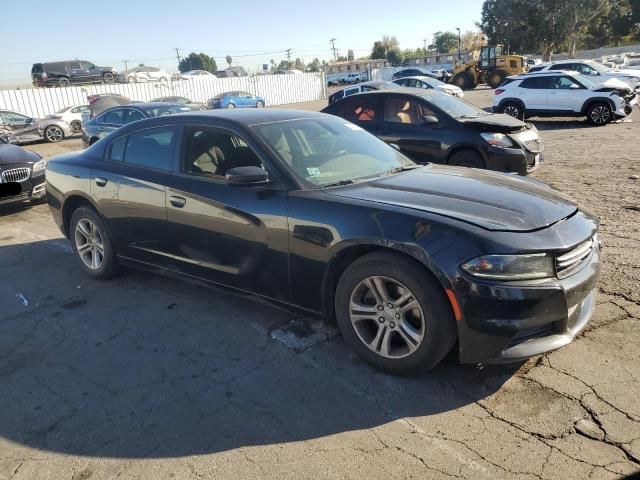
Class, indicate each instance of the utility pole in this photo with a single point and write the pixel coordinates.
(424, 40)
(289, 57)
(459, 45)
(333, 47)
(126, 69)
(178, 56)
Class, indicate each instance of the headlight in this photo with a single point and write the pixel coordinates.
(39, 165)
(499, 140)
(511, 267)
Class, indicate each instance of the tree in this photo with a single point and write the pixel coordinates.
(350, 56)
(299, 64)
(579, 14)
(314, 66)
(381, 47)
(378, 51)
(472, 41)
(394, 56)
(341, 59)
(445, 42)
(229, 59)
(197, 61)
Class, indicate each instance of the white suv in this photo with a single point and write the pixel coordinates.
(562, 94)
(596, 71)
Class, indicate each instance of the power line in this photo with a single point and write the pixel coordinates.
(288, 56)
(178, 56)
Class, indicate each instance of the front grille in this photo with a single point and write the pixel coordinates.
(534, 146)
(16, 175)
(569, 262)
(531, 333)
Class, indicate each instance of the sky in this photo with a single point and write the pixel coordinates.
(251, 31)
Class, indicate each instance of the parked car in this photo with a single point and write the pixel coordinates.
(430, 83)
(236, 99)
(21, 174)
(144, 74)
(197, 74)
(22, 129)
(113, 118)
(311, 212)
(183, 101)
(596, 71)
(431, 126)
(72, 116)
(562, 94)
(70, 72)
(362, 87)
(413, 72)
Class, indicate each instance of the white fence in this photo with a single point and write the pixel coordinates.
(275, 89)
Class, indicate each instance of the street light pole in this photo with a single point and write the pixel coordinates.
(459, 45)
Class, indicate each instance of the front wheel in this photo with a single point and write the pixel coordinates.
(231, 105)
(108, 77)
(514, 109)
(53, 134)
(394, 314)
(76, 127)
(92, 244)
(467, 158)
(599, 114)
(259, 104)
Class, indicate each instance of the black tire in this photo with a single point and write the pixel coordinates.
(64, 82)
(76, 127)
(108, 77)
(230, 105)
(513, 109)
(259, 104)
(599, 114)
(463, 80)
(53, 134)
(438, 325)
(496, 78)
(467, 158)
(109, 264)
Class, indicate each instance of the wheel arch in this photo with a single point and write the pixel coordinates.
(512, 100)
(70, 205)
(591, 101)
(459, 148)
(342, 259)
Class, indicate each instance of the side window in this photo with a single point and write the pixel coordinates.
(360, 110)
(403, 110)
(114, 117)
(11, 117)
(538, 83)
(210, 152)
(80, 109)
(565, 83)
(87, 65)
(133, 116)
(151, 148)
(117, 148)
(351, 91)
(561, 66)
(584, 69)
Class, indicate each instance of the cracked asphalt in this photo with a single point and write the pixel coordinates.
(150, 377)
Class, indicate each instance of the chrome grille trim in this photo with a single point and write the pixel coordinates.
(16, 175)
(568, 262)
(534, 146)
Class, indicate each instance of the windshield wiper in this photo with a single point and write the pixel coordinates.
(338, 183)
(400, 169)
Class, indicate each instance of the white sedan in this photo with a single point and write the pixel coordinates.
(144, 74)
(427, 83)
(71, 115)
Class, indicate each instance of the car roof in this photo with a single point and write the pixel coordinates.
(418, 77)
(545, 73)
(414, 92)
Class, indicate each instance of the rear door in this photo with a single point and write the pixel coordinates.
(110, 121)
(401, 124)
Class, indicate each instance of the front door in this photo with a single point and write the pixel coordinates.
(229, 234)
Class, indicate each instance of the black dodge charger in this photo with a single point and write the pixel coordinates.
(312, 212)
(21, 174)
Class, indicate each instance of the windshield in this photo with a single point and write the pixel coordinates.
(330, 151)
(62, 110)
(598, 67)
(587, 82)
(454, 106)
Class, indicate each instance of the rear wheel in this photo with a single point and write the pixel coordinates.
(131, 79)
(76, 127)
(64, 82)
(512, 108)
(463, 80)
(599, 114)
(394, 314)
(92, 244)
(496, 78)
(259, 104)
(108, 77)
(467, 158)
(231, 105)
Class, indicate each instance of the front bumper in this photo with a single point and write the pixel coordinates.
(513, 160)
(32, 188)
(508, 322)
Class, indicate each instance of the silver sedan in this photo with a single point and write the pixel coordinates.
(18, 128)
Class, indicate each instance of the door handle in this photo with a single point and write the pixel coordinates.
(101, 182)
(177, 202)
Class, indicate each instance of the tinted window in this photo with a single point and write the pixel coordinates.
(561, 66)
(564, 83)
(11, 117)
(115, 117)
(538, 83)
(403, 110)
(211, 152)
(116, 151)
(165, 110)
(535, 69)
(151, 148)
(361, 109)
(55, 67)
(87, 65)
(133, 116)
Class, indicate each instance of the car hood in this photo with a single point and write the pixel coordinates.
(495, 122)
(625, 72)
(13, 154)
(616, 83)
(489, 200)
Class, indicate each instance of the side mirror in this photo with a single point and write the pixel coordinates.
(594, 73)
(573, 86)
(246, 176)
(429, 120)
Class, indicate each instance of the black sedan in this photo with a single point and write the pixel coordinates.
(21, 174)
(430, 126)
(312, 212)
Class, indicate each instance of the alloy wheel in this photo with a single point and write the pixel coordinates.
(600, 115)
(76, 127)
(89, 244)
(54, 134)
(387, 317)
(512, 110)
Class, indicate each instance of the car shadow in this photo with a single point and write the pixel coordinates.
(150, 366)
(560, 124)
(15, 207)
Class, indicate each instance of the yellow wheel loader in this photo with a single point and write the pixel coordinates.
(488, 65)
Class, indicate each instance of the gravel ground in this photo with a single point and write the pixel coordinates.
(149, 377)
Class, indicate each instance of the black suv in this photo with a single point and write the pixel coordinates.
(68, 72)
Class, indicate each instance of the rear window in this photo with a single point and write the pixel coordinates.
(55, 67)
(506, 82)
(535, 69)
(37, 68)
